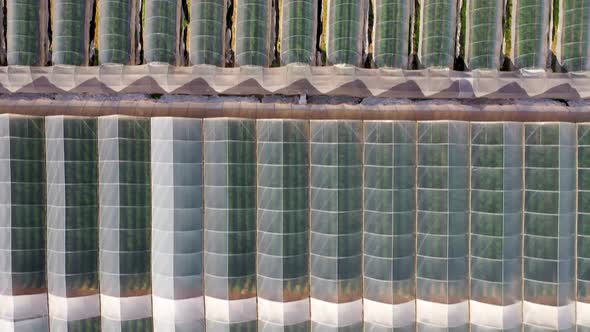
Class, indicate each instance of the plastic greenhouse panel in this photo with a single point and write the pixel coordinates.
(391, 32)
(207, 32)
(438, 25)
(346, 29)
(230, 224)
(531, 33)
(252, 29)
(125, 223)
(549, 226)
(72, 223)
(496, 225)
(283, 219)
(162, 31)
(70, 26)
(177, 219)
(298, 31)
(389, 225)
(336, 225)
(23, 292)
(583, 250)
(443, 220)
(574, 30)
(26, 33)
(117, 31)
(484, 34)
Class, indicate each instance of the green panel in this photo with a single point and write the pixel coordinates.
(346, 19)
(207, 30)
(160, 35)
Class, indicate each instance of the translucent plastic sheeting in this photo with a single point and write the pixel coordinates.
(391, 32)
(177, 232)
(70, 26)
(443, 223)
(23, 292)
(207, 32)
(583, 234)
(336, 225)
(283, 219)
(116, 31)
(346, 28)
(230, 224)
(496, 225)
(531, 33)
(72, 223)
(253, 26)
(484, 34)
(162, 31)
(25, 32)
(298, 31)
(574, 41)
(389, 225)
(125, 223)
(438, 25)
(549, 226)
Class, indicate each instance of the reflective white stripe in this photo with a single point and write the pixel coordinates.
(74, 308)
(230, 311)
(125, 308)
(496, 316)
(583, 311)
(550, 317)
(23, 307)
(35, 324)
(442, 315)
(390, 315)
(283, 313)
(336, 314)
(170, 311)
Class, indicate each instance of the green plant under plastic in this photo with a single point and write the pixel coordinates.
(531, 44)
(575, 30)
(484, 33)
(252, 27)
(392, 32)
(346, 27)
(438, 24)
(207, 32)
(161, 31)
(117, 30)
(298, 31)
(26, 32)
(70, 24)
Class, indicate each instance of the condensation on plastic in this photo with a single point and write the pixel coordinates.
(23, 293)
(252, 28)
(116, 31)
(345, 30)
(438, 25)
(549, 226)
(391, 32)
(207, 32)
(230, 223)
(496, 224)
(177, 224)
(70, 26)
(125, 221)
(483, 34)
(583, 229)
(530, 30)
(336, 224)
(389, 221)
(443, 220)
(573, 43)
(72, 223)
(162, 31)
(283, 223)
(25, 32)
(298, 31)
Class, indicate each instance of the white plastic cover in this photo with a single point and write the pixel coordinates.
(207, 32)
(346, 29)
(125, 222)
(162, 31)
(298, 20)
(573, 43)
(336, 224)
(549, 225)
(530, 19)
(583, 229)
(252, 29)
(116, 31)
(70, 25)
(391, 32)
(484, 34)
(438, 25)
(177, 224)
(26, 25)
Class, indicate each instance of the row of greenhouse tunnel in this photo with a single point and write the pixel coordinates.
(399, 34)
(224, 224)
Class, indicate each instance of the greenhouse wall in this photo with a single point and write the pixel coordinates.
(531, 24)
(389, 226)
(253, 20)
(72, 223)
(177, 218)
(26, 23)
(496, 225)
(336, 225)
(283, 225)
(230, 224)
(443, 224)
(549, 226)
(125, 223)
(117, 31)
(207, 32)
(484, 34)
(583, 228)
(23, 288)
(438, 25)
(345, 31)
(70, 26)
(298, 25)
(574, 35)
(162, 23)
(391, 32)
